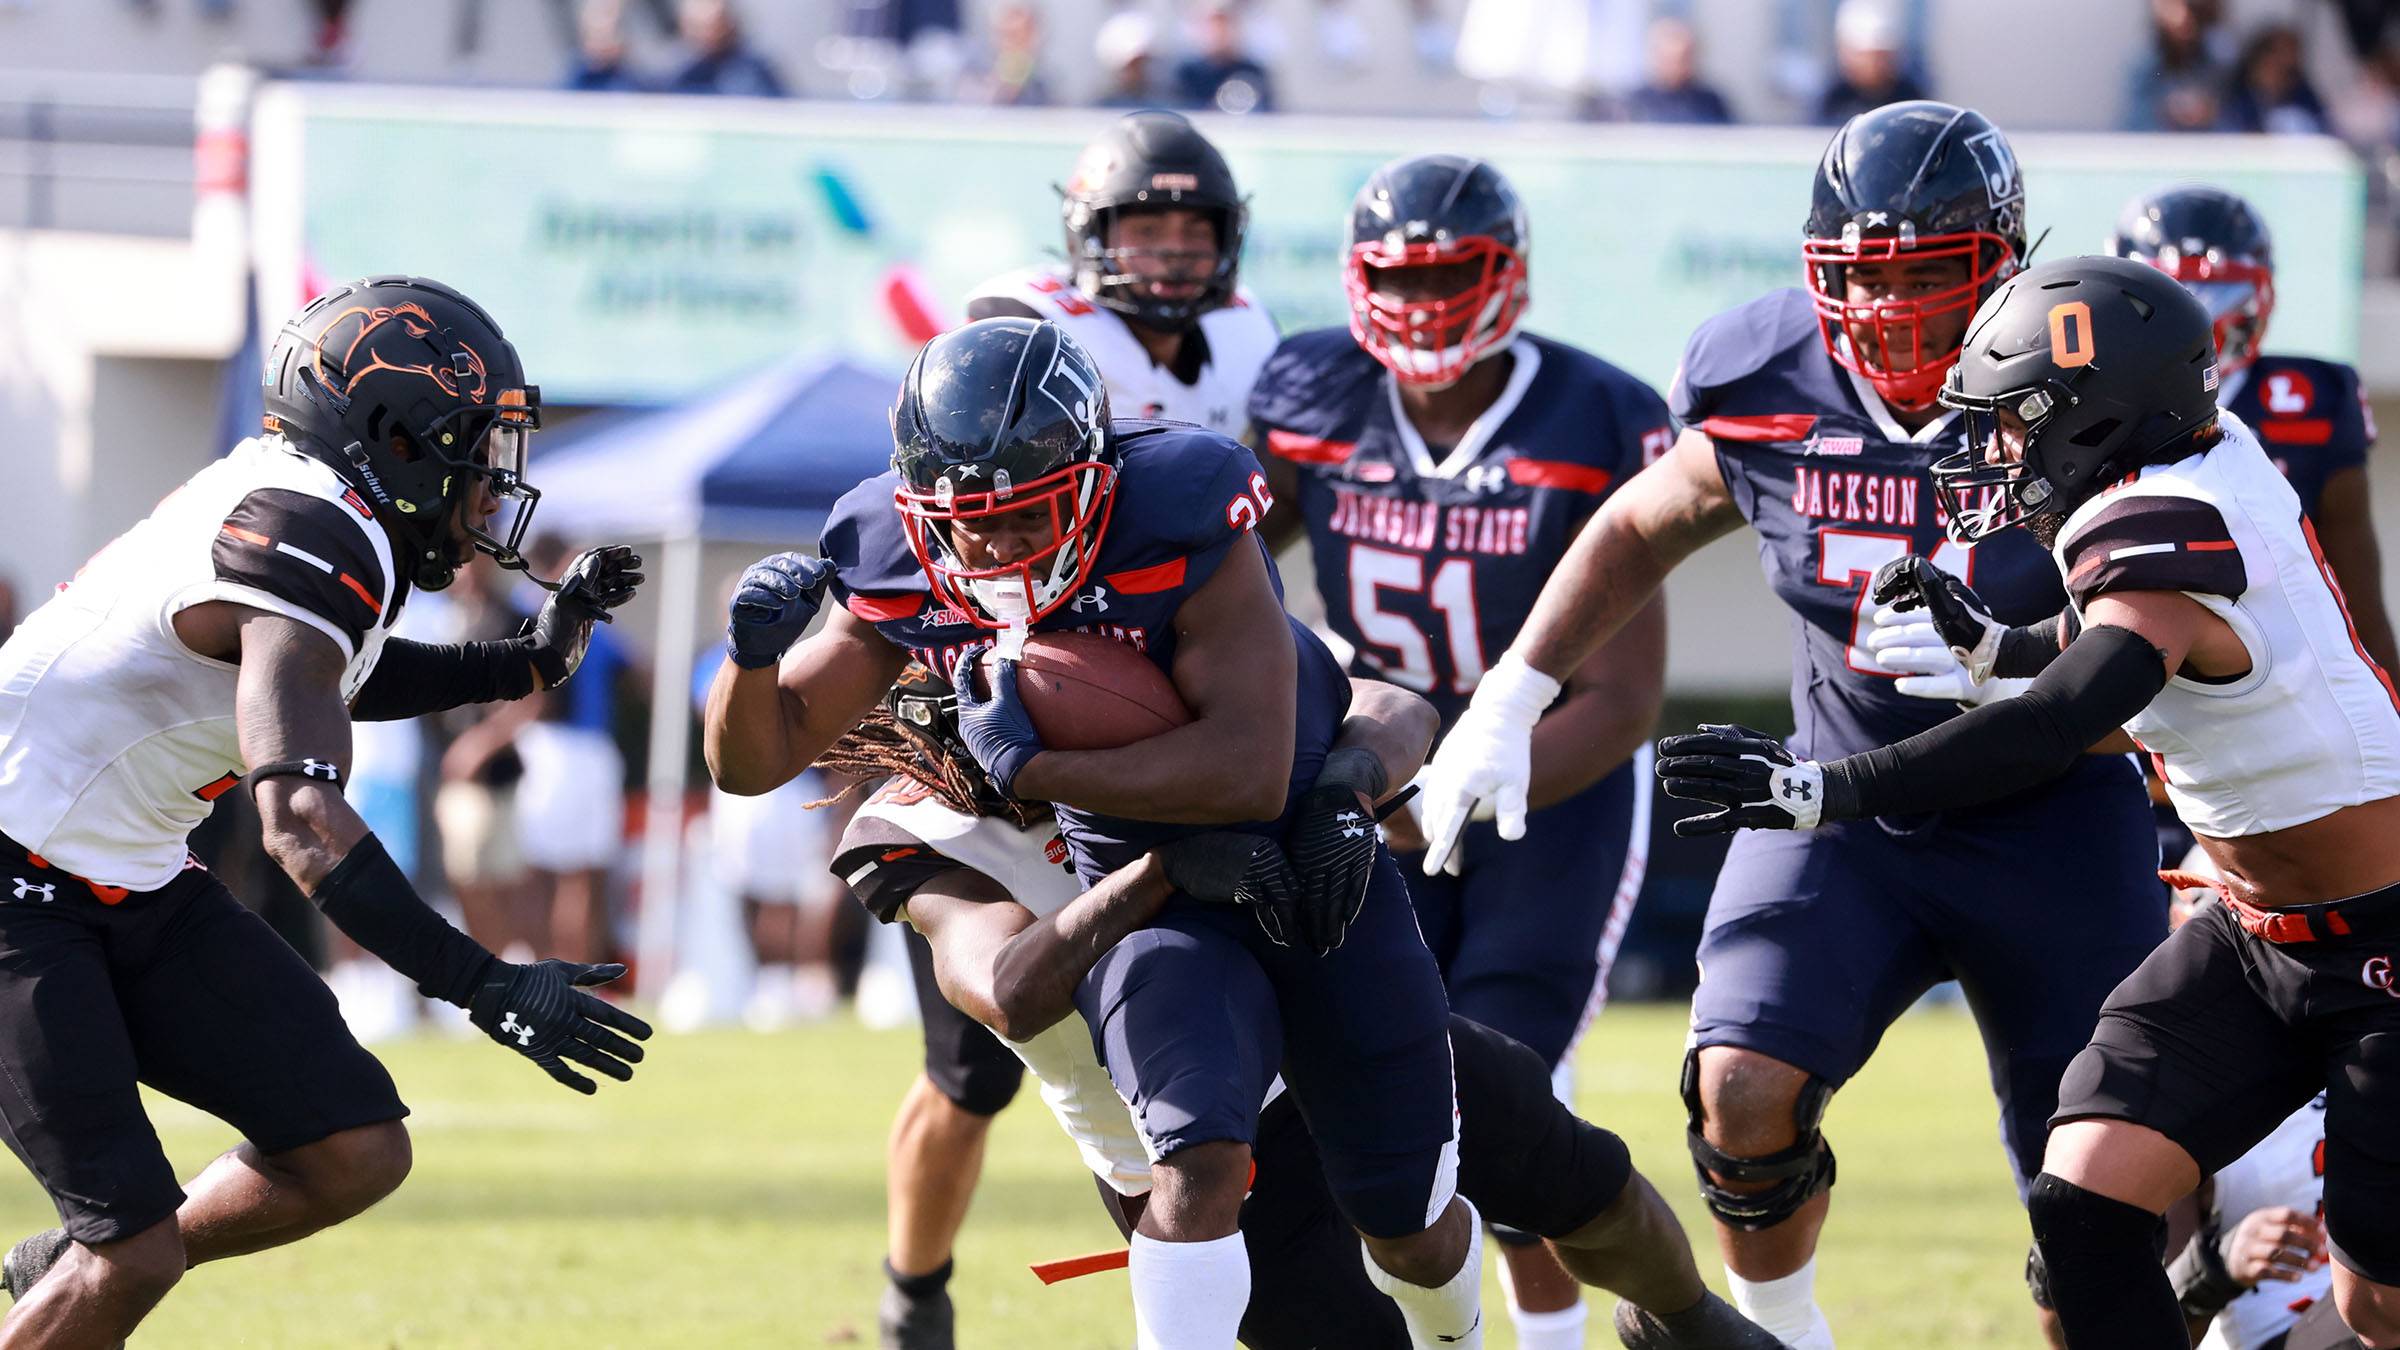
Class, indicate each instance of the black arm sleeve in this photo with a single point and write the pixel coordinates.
(368, 897)
(2030, 650)
(2104, 677)
(412, 679)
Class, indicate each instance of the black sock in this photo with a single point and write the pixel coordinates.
(919, 1286)
(2106, 1279)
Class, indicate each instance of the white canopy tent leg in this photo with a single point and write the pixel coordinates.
(670, 745)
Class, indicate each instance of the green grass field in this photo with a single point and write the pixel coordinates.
(733, 1196)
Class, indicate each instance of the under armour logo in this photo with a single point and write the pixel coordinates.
(2377, 974)
(1798, 791)
(1095, 599)
(317, 768)
(1486, 478)
(1350, 821)
(25, 889)
(523, 1031)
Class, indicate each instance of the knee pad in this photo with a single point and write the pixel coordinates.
(1800, 1171)
(2073, 1225)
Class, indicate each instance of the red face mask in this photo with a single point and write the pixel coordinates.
(2239, 295)
(1435, 341)
(1075, 500)
(1885, 341)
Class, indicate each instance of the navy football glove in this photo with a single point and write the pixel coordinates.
(597, 581)
(997, 729)
(1754, 782)
(1248, 870)
(541, 1012)
(772, 606)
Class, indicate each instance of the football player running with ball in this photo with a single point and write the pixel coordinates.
(227, 642)
(1810, 416)
(1018, 503)
(1440, 461)
(2203, 618)
(1154, 224)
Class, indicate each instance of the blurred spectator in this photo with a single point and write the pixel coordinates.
(917, 39)
(2180, 84)
(1671, 90)
(8, 608)
(1125, 45)
(1868, 43)
(474, 811)
(600, 50)
(721, 63)
(570, 805)
(2271, 91)
(1222, 75)
(1013, 75)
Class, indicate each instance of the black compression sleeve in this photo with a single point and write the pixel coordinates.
(2105, 676)
(367, 896)
(2030, 650)
(412, 679)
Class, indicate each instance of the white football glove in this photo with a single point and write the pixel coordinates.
(1909, 646)
(1913, 586)
(1487, 759)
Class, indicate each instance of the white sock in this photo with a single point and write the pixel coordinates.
(1560, 1330)
(1446, 1318)
(1785, 1308)
(1188, 1295)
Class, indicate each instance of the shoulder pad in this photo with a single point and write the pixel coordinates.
(864, 541)
(2152, 541)
(310, 553)
(1182, 489)
(1624, 421)
(1313, 383)
(1729, 347)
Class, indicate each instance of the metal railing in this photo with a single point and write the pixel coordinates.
(110, 154)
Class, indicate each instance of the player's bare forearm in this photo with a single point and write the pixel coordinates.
(1623, 555)
(1283, 525)
(1237, 669)
(1015, 973)
(764, 726)
(1392, 724)
(288, 706)
(1034, 980)
(2346, 531)
(1611, 707)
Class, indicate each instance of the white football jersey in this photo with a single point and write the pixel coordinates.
(1240, 338)
(2285, 1168)
(1074, 1084)
(115, 738)
(2314, 725)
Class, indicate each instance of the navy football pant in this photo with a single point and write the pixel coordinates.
(1526, 932)
(1816, 941)
(1195, 1015)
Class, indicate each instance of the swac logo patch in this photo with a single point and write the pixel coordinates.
(364, 339)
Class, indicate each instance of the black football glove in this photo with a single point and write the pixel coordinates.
(772, 606)
(1956, 612)
(597, 581)
(1332, 843)
(541, 1012)
(1249, 870)
(1748, 775)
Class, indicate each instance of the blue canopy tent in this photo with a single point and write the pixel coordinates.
(762, 460)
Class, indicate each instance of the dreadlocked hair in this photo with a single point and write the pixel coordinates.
(877, 748)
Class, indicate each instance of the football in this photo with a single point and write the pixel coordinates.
(1088, 692)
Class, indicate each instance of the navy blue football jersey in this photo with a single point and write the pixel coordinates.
(1185, 497)
(2311, 416)
(1834, 489)
(1429, 560)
